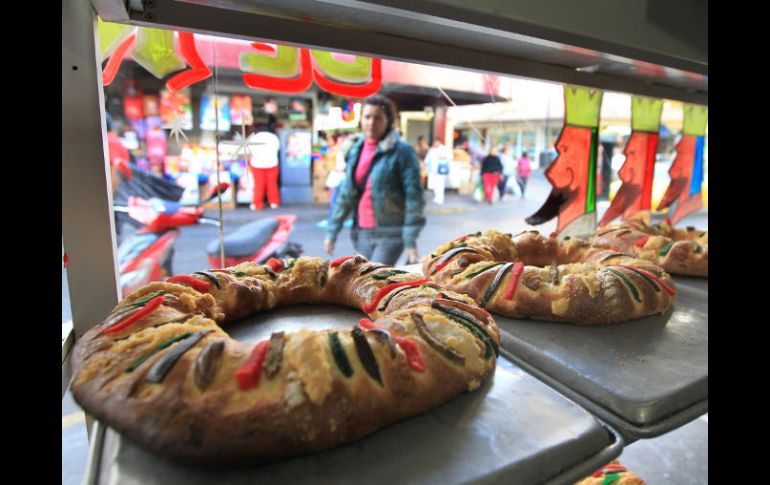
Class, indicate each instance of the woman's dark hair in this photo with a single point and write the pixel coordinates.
(388, 106)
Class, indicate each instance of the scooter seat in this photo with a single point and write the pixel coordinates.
(247, 240)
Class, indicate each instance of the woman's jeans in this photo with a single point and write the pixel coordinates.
(383, 249)
(332, 202)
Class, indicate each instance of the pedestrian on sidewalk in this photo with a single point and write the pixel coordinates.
(491, 169)
(438, 160)
(509, 170)
(264, 146)
(382, 189)
(523, 169)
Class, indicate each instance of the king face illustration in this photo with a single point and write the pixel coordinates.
(573, 173)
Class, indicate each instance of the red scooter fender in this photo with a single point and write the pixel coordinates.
(148, 266)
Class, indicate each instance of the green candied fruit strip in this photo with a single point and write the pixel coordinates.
(339, 355)
(387, 274)
(488, 350)
(141, 301)
(478, 272)
(628, 283)
(133, 365)
(665, 249)
(610, 479)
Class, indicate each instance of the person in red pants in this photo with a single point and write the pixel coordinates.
(263, 165)
(491, 168)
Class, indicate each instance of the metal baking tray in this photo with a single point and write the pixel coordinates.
(513, 429)
(644, 377)
(692, 282)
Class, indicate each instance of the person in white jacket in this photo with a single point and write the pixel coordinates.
(438, 162)
(264, 146)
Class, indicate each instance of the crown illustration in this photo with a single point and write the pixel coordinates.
(645, 114)
(582, 106)
(695, 118)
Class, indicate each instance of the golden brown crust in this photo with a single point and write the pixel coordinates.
(678, 251)
(570, 281)
(197, 410)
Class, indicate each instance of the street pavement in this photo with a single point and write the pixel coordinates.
(458, 215)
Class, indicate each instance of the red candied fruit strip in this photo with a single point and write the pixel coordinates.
(369, 307)
(641, 241)
(145, 310)
(249, 373)
(339, 261)
(275, 264)
(669, 290)
(518, 268)
(367, 324)
(413, 355)
(200, 285)
(441, 266)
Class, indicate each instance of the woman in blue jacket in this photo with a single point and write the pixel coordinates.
(383, 189)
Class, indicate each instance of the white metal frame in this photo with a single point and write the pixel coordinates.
(87, 221)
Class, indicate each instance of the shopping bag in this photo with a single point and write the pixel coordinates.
(512, 186)
(478, 193)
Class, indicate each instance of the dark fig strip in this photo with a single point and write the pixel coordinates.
(384, 335)
(434, 342)
(323, 274)
(210, 276)
(372, 267)
(470, 322)
(274, 355)
(495, 284)
(614, 255)
(390, 297)
(207, 363)
(477, 312)
(365, 354)
(555, 273)
(166, 343)
(445, 257)
(159, 370)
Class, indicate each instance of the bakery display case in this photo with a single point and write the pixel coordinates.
(564, 399)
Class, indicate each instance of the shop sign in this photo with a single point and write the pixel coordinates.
(573, 173)
(634, 198)
(277, 68)
(686, 171)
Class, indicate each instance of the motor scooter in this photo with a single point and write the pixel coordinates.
(146, 254)
(257, 241)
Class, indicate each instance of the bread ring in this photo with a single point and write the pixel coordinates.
(161, 371)
(678, 251)
(531, 276)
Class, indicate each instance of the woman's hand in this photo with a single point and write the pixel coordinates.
(412, 256)
(329, 246)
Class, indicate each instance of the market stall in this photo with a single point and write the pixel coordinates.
(588, 392)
